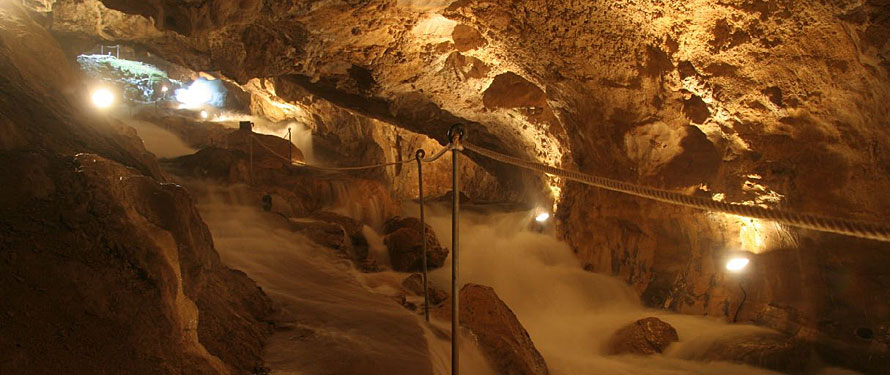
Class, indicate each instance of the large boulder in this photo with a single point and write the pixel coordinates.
(340, 233)
(326, 234)
(501, 337)
(352, 228)
(403, 240)
(645, 336)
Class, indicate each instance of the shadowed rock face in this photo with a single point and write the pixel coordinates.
(772, 351)
(105, 266)
(501, 336)
(645, 336)
(402, 236)
(721, 103)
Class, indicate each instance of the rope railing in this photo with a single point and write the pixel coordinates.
(848, 227)
(357, 168)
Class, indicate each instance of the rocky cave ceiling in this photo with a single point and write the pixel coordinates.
(674, 93)
(777, 103)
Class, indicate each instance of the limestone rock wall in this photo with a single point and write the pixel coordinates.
(779, 103)
(105, 266)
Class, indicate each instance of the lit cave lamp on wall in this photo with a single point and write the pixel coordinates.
(737, 264)
(539, 224)
(102, 98)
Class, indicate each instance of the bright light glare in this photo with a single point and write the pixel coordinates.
(102, 98)
(197, 94)
(164, 88)
(542, 217)
(736, 264)
(203, 114)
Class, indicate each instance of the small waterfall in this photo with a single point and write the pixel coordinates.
(569, 313)
(355, 200)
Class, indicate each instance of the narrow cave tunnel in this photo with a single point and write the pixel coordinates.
(232, 187)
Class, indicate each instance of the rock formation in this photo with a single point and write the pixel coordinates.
(499, 334)
(105, 266)
(403, 239)
(645, 336)
(773, 351)
(414, 284)
(779, 103)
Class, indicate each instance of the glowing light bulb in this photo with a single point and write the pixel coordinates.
(737, 264)
(102, 98)
(204, 114)
(542, 217)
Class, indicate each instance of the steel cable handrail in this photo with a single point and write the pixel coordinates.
(862, 229)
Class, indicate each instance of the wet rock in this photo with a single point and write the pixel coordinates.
(106, 267)
(645, 336)
(773, 351)
(353, 230)
(414, 284)
(327, 234)
(501, 337)
(403, 240)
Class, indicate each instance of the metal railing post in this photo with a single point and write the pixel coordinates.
(290, 143)
(426, 292)
(455, 134)
(250, 169)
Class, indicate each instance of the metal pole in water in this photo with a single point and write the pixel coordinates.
(290, 144)
(455, 134)
(426, 292)
(250, 170)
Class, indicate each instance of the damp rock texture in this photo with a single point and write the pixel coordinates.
(645, 336)
(501, 336)
(779, 103)
(105, 265)
(404, 239)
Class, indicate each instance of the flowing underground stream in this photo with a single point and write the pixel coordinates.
(348, 322)
(233, 187)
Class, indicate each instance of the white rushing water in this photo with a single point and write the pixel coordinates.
(571, 313)
(338, 321)
(334, 325)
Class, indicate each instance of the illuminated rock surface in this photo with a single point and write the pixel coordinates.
(405, 242)
(777, 103)
(645, 336)
(106, 266)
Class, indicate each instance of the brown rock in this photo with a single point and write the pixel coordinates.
(352, 228)
(403, 240)
(509, 90)
(467, 38)
(466, 67)
(330, 235)
(414, 284)
(500, 335)
(645, 336)
(106, 267)
(773, 351)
